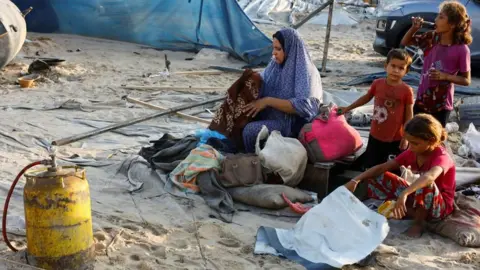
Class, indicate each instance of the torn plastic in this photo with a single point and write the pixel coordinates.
(472, 141)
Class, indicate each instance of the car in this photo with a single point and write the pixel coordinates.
(395, 18)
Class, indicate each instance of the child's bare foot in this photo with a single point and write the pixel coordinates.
(415, 231)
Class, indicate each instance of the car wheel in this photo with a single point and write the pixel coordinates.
(417, 57)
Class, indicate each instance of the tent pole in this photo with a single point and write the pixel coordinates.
(313, 14)
(130, 122)
(327, 38)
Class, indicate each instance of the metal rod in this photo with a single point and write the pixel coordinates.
(313, 14)
(130, 122)
(25, 12)
(160, 108)
(327, 37)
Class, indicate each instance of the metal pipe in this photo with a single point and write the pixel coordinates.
(313, 14)
(327, 38)
(98, 131)
(26, 11)
(156, 107)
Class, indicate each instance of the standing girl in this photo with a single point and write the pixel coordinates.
(431, 196)
(447, 59)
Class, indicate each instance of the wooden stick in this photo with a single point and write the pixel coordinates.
(327, 37)
(130, 122)
(198, 72)
(164, 87)
(156, 107)
(313, 14)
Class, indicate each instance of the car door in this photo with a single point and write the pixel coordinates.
(473, 8)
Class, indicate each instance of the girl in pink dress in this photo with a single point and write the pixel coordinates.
(447, 59)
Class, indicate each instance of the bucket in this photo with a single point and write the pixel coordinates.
(25, 83)
(28, 81)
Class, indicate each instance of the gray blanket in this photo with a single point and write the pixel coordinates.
(216, 197)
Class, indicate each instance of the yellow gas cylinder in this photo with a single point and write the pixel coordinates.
(58, 219)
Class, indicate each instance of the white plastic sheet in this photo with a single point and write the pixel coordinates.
(472, 141)
(339, 231)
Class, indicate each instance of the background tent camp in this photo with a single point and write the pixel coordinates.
(164, 24)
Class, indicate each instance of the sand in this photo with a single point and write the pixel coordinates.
(152, 230)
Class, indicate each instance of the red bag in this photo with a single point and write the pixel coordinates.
(329, 137)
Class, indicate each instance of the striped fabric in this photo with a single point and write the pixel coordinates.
(201, 159)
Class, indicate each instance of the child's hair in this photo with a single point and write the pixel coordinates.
(426, 127)
(399, 54)
(457, 15)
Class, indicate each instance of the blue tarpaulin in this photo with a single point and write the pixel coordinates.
(186, 25)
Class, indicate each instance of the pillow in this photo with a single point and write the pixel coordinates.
(463, 225)
(268, 196)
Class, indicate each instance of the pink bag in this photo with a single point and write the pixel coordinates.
(329, 137)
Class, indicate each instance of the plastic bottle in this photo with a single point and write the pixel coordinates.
(386, 208)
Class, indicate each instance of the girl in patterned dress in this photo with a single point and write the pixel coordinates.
(447, 59)
(431, 196)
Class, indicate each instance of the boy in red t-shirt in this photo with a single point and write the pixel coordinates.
(393, 107)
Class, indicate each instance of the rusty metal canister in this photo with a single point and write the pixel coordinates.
(58, 219)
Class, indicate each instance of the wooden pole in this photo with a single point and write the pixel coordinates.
(313, 14)
(327, 37)
(130, 122)
(156, 107)
(160, 87)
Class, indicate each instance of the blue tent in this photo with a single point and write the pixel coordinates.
(186, 25)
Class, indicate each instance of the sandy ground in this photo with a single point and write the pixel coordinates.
(149, 230)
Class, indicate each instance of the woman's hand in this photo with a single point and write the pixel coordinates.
(352, 185)
(438, 75)
(253, 108)
(417, 22)
(400, 209)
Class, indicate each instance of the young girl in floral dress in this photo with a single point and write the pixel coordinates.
(431, 196)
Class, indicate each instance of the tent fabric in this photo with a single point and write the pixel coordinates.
(185, 25)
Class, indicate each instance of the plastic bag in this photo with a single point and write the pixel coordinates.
(286, 157)
(408, 175)
(204, 134)
(472, 141)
